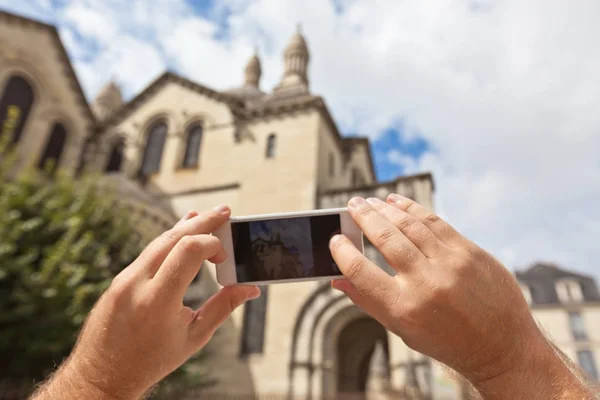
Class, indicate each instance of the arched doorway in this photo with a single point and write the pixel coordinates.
(362, 359)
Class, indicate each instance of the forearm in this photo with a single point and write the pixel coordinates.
(545, 374)
(66, 383)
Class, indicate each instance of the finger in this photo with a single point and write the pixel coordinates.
(155, 254)
(216, 310)
(440, 228)
(375, 284)
(183, 263)
(412, 228)
(382, 313)
(395, 247)
(219, 257)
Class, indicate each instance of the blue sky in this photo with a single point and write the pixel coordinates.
(494, 97)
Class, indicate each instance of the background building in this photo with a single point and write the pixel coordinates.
(179, 145)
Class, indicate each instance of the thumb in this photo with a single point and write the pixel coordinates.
(216, 310)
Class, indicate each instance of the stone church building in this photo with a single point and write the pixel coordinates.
(179, 145)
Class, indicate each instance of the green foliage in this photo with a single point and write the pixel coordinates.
(61, 242)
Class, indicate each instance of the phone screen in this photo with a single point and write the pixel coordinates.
(286, 248)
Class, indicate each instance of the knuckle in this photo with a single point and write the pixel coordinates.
(465, 260)
(393, 251)
(234, 302)
(189, 244)
(119, 287)
(406, 204)
(405, 222)
(168, 236)
(384, 236)
(143, 305)
(430, 218)
(364, 212)
(354, 267)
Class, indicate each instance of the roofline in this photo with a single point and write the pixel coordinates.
(405, 178)
(523, 273)
(319, 103)
(64, 57)
(127, 108)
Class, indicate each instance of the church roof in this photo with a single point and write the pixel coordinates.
(63, 57)
(167, 77)
(257, 107)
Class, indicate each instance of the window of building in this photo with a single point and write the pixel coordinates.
(155, 143)
(271, 144)
(569, 291)
(115, 159)
(587, 363)
(577, 326)
(331, 164)
(192, 147)
(526, 293)
(54, 148)
(15, 104)
(253, 330)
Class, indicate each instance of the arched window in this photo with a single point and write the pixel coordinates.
(15, 104)
(192, 147)
(155, 143)
(115, 158)
(271, 143)
(54, 148)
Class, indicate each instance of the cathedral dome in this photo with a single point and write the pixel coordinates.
(297, 44)
(253, 71)
(296, 58)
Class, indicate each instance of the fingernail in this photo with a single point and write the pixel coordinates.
(374, 201)
(255, 294)
(356, 202)
(335, 239)
(394, 198)
(222, 209)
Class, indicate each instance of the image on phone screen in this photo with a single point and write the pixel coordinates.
(287, 248)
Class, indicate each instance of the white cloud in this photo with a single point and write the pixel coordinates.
(505, 91)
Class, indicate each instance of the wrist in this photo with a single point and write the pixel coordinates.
(70, 384)
(539, 373)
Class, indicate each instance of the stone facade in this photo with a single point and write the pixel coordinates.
(258, 152)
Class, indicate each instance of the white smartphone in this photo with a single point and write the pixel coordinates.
(281, 248)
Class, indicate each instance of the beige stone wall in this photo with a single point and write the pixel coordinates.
(555, 323)
(254, 184)
(328, 144)
(342, 177)
(31, 51)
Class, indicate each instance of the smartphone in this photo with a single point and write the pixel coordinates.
(286, 247)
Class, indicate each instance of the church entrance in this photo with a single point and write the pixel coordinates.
(362, 360)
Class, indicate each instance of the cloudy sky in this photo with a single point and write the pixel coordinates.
(499, 99)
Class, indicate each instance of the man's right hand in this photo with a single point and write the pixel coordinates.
(450, 300)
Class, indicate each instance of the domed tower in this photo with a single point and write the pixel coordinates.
(253, 71)
(296, 59)
(108, 99)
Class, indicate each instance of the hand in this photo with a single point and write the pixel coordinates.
(450, 299)
(139, 331)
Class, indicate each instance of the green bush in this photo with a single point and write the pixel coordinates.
(61, 242)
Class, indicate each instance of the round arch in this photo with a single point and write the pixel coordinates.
(326, 318)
